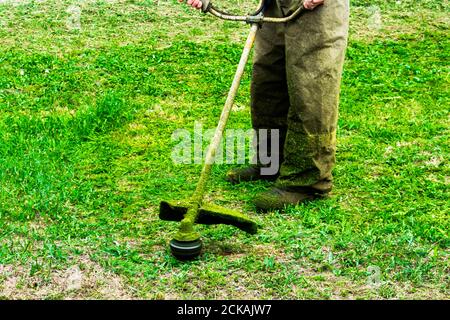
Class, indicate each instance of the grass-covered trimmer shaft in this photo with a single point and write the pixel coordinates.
(186, 243)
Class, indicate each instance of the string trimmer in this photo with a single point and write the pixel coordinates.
(186, 243)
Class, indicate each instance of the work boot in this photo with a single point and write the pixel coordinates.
(279, 198)
(250, 173)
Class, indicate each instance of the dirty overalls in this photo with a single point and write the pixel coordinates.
(295, 88)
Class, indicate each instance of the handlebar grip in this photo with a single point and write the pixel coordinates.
(205, 5)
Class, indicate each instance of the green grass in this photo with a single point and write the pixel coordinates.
(86, 118)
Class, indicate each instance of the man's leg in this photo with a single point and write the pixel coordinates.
(315, 49)
(269, 92)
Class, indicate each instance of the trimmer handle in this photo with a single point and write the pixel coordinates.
(256, 17)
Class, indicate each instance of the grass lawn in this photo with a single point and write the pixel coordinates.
(86, 117)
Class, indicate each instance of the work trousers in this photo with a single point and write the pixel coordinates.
(296, 79)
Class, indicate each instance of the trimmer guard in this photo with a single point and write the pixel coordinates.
(207, 214)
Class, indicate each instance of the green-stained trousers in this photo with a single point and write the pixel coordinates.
(295, 88)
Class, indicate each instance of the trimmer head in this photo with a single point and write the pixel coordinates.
(185, 250)
(187, 245)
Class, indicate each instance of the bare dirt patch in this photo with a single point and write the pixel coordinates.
(85, 279)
